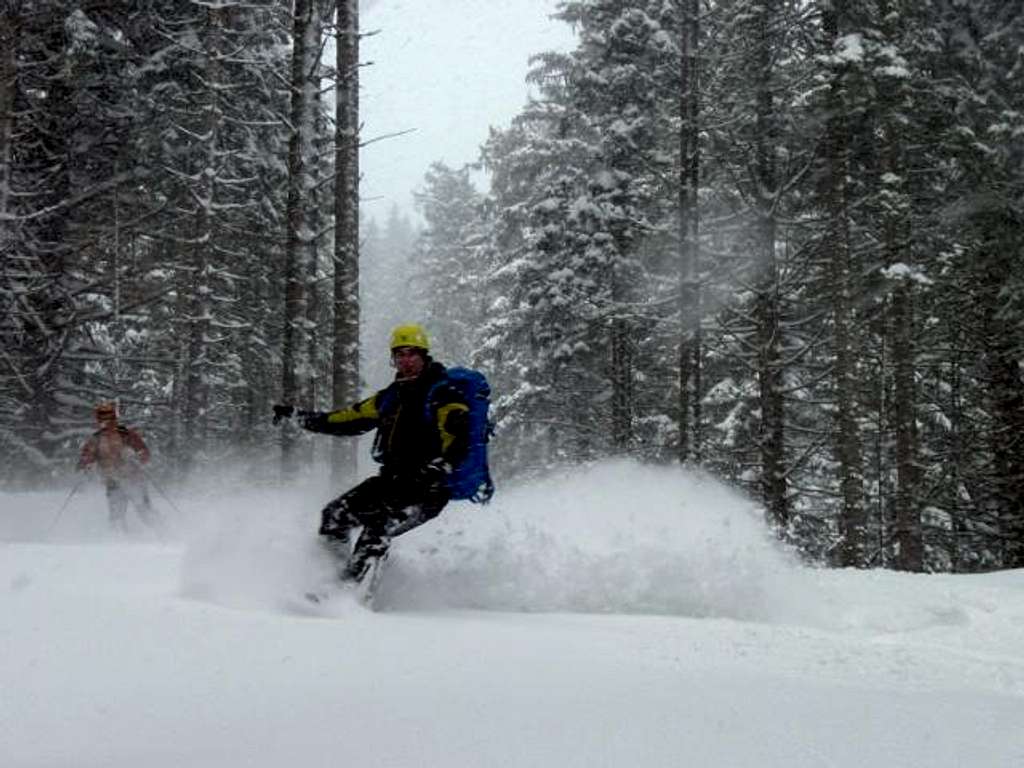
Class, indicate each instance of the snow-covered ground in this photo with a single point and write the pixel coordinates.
(613, 616)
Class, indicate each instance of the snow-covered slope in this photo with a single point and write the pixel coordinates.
(613, 616)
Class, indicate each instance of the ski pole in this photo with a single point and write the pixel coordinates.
(60, 512)
(160, 490)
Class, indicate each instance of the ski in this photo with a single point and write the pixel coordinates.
(362, 592)
(366, 588)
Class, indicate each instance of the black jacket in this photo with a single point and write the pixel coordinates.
(410, 431)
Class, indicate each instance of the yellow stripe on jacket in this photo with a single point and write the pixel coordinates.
(366, 409)
(443, 413)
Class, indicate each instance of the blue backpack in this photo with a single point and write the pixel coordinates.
(471, 479)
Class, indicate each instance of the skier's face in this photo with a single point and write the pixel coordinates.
(409, 362)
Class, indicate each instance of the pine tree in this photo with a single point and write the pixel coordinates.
(760, 158)
(843, 275)
(63, 135)
(449, 271)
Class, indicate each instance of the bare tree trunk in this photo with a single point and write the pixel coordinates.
(908, 534)
(9, 26)
(955, 457)
(622, 385)
(689, 255)
(310, 384)
(168, 252)
(772, 429)
(577, 390)
(1005, 387)
(621, 332)
(53, 241)
(305, 50)
(853, 515)
(1008, 396)
(345, 363)
(198, 318)
(315, 211)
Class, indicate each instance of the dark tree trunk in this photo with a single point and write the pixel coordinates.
(1008, 399)
(1005, 386)
(622, 386)
(9, 30)
(302, 63)
(198, 319)
(689, 254)
(908, 534)
(345, 352)
(772, 428)
(853, 515)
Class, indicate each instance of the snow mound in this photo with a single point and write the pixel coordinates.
(611, 537)
(258, 550)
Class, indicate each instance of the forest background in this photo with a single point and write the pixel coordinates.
(779, 240)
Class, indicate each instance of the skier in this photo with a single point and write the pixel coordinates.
(118, 453)
(416, 453)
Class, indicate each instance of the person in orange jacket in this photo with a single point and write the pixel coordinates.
(118, 454)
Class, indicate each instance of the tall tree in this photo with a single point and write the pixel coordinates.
(689, 232)
(894, 107)
(449, 272)
(305, 49)
(763, 154)
(843, 273)
(345, 364)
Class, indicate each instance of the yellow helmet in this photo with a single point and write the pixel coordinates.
(409, 336)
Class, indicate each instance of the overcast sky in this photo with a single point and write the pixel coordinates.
(445, 69)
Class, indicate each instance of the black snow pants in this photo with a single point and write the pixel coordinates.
(384, 506)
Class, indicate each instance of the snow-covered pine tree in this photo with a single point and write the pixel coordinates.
(558, 291)
(893, 184)
(575, 180)
(759, 154)
(65, 138)
(977, 61)
(842, 273)
(623, 71)
(211, 133)
(387, 291)
(449, 270)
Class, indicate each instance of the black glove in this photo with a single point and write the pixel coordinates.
(435, 472)
(283, 412)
